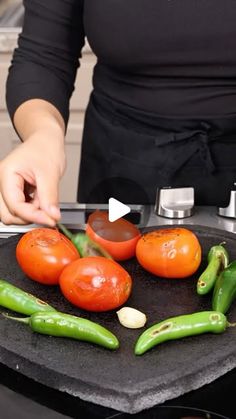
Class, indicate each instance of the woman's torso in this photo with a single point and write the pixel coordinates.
(172, 58)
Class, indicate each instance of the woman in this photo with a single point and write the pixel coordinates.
(162, 111)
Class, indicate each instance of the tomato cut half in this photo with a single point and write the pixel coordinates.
(43, 253)
(169, 252)
(95, 283)
(119, 238)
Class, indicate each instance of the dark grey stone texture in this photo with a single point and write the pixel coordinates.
(119, 379)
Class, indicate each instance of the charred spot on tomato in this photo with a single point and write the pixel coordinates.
(163, 328)
(172, 253)
(44, 242)
(127, 288)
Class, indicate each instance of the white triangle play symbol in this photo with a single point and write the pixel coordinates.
(117, 210)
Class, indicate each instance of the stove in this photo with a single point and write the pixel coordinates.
(74, 216)
(22, 395)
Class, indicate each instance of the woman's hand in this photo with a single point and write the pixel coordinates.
(29, 179)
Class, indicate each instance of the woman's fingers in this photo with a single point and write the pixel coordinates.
(6, 217)
(29, 179)
(15, 209)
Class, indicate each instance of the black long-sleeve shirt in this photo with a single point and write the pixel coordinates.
(171, 58)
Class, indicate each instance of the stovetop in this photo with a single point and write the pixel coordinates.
(74, 216)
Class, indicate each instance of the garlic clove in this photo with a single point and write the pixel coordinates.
(131, 318)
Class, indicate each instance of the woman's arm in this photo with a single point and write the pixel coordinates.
(45, 63)
(39, 87)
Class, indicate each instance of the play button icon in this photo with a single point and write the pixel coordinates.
(117, 210)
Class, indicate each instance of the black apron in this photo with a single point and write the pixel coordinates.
(127, 154)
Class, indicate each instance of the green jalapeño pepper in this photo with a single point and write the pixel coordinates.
(69, 326)
(218, 259)
(83, 243)
(180, 327)
(225, 289)
(16, 299)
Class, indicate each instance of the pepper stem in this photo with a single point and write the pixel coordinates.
(99, 249)
(17, 319)
(65, 230)
(83, 243)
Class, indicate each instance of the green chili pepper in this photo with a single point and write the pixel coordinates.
(218, 259)
(65, 325)
(225, 289)
(180, 327)
(84, 245)
(20, 301)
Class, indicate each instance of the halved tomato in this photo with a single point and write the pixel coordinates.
(119, 238)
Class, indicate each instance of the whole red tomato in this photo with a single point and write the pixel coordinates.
(169, 252)
(95, 283)
(43, 253)
(118, 238)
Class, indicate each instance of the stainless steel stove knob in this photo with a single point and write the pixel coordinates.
(229, 211)
(175, 202)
